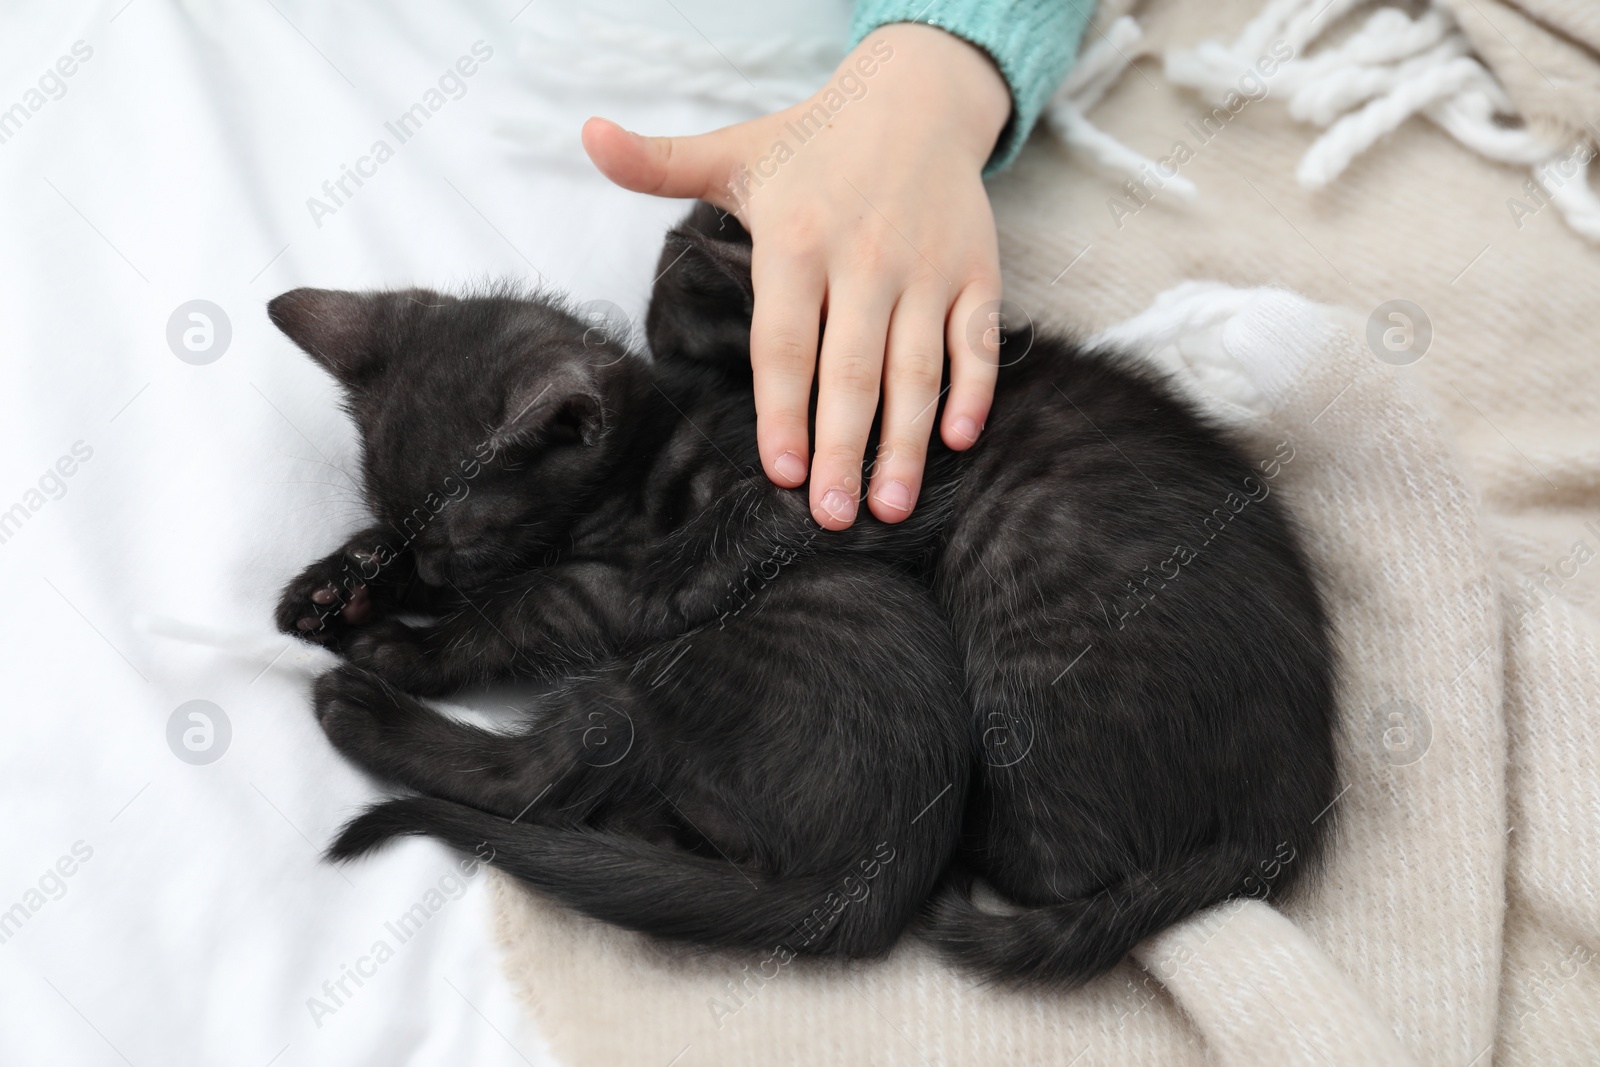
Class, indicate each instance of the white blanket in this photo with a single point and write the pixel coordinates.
(158, 464)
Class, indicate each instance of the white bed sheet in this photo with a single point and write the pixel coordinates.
(175, 164)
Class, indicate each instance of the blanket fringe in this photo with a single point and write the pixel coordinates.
(1098, 68)
(1391, 68)
(276, 652)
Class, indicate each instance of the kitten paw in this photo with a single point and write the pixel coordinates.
(330, 598)
(394, 652)
(354, 710)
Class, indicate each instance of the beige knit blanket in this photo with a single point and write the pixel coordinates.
(1447, 469)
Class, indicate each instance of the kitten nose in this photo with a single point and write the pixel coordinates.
(432, 565)
(466, 528)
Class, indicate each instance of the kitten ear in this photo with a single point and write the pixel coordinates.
(710, 252)
(338, 329)
(565, 409)
(703, 296)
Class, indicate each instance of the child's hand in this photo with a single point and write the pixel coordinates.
(866, 206)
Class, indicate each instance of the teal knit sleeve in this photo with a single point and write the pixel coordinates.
(1033, 42)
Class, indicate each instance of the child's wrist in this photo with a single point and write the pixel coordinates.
(949, 82)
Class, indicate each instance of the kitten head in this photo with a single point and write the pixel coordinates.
(485, 421)
(703, 298)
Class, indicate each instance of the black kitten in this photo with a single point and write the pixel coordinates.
(1093, 654)
(759, 743)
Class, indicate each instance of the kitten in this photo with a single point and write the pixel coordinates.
(1091, 669)
(759, 741)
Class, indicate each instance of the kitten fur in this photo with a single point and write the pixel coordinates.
(1091, 670)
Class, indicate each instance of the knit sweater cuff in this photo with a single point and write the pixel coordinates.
(1033, 42)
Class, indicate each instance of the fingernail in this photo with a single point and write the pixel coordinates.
(839, 505)
(790, 467)
(966, 429)
(895, 495)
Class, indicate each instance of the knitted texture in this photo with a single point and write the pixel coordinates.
(1543, 51)
(1364, 85)
(1033, 42)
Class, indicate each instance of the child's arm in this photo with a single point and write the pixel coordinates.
(866, 207)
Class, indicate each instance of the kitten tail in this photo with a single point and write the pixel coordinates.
(1066, 944)
(656, 890)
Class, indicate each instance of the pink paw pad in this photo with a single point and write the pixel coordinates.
(359, 608)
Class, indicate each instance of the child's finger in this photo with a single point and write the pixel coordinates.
(847, 397)
(686, 167)
(914, 366)
(973, 335)
(783, 357)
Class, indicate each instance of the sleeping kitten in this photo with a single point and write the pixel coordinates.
(775, 736)
(758, 743)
